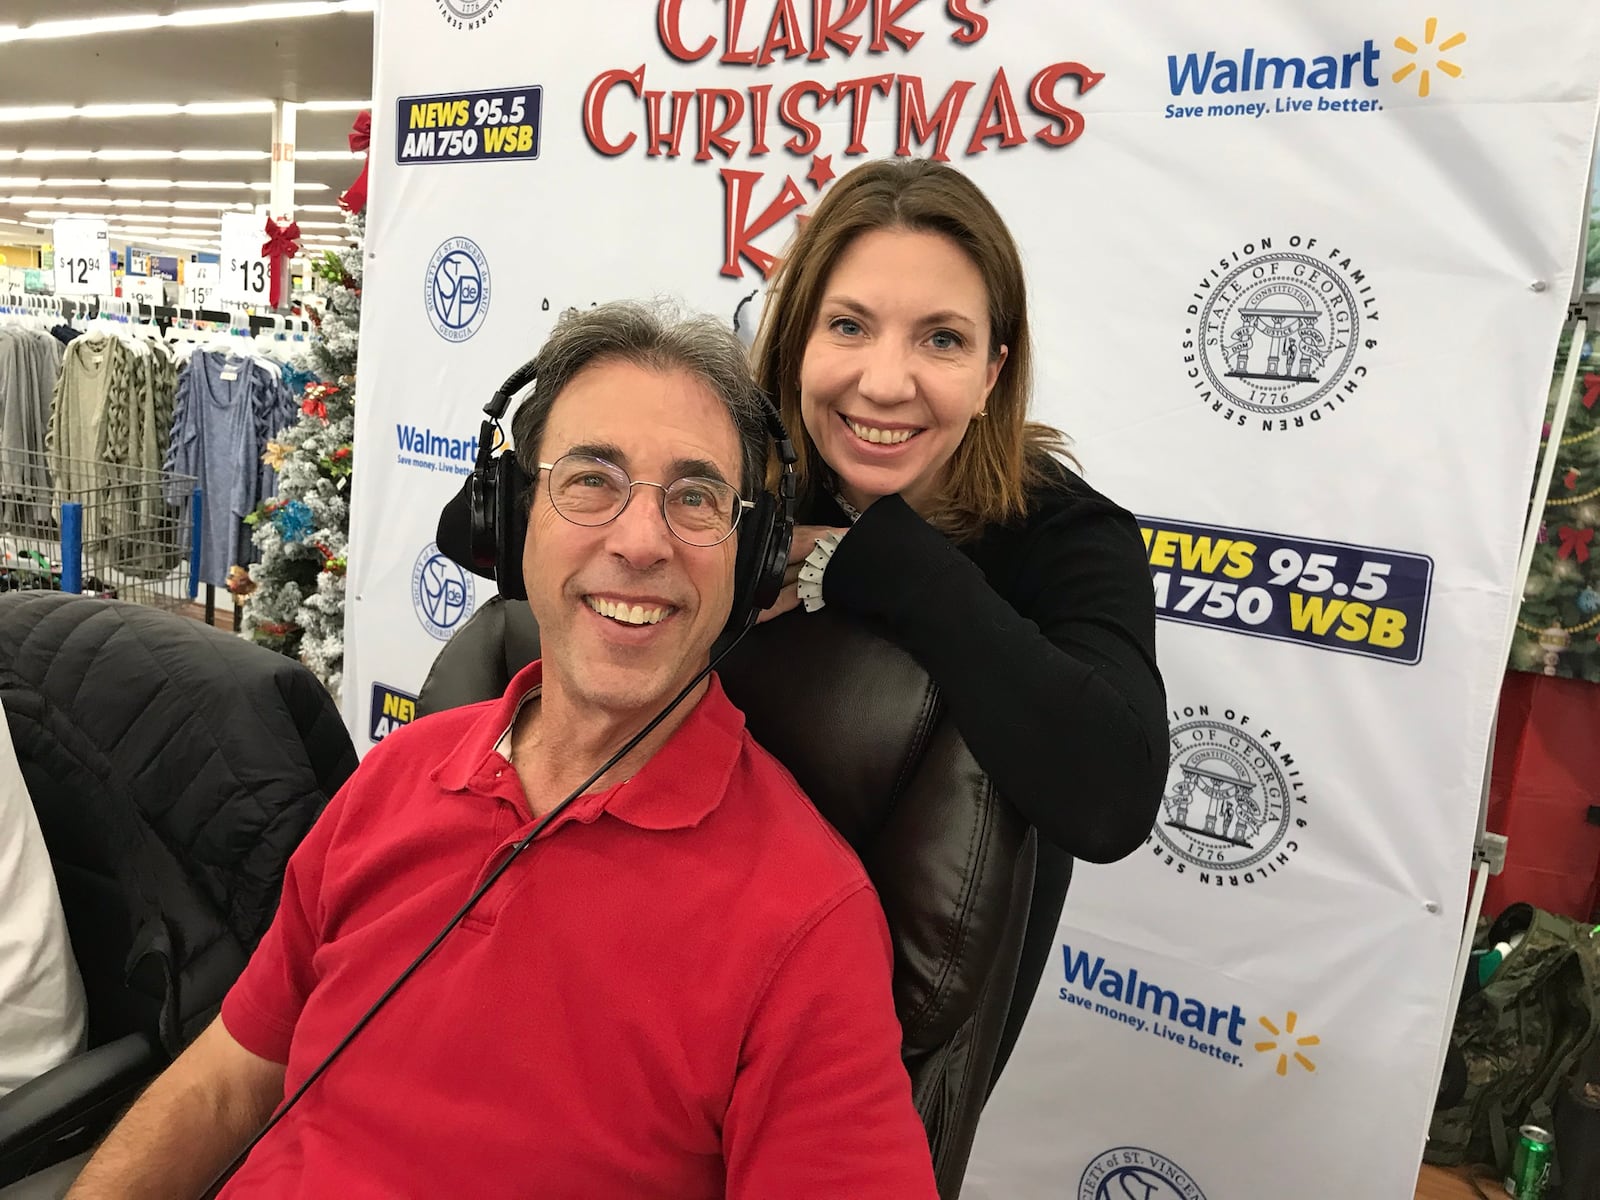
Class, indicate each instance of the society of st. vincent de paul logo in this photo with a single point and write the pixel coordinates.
(467, 14)
(1129, 1173)
(456, 289)
(1234, 803)
(1275, 333)
(441, 592)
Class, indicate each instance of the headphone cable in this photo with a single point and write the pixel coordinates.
(516, 851)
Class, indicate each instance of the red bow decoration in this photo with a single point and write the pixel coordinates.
(312, 407)
(1575, 542)
(1591, 390)
(355, 200)
(283, 243)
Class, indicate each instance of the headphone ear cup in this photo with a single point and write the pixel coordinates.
(751, 530)
(754, 535)
(764, 537)
(482, 513)
(511, 525)
(779, 525)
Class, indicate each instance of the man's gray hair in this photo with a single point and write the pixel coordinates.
(656, 337)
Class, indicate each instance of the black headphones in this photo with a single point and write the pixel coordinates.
(497, 501)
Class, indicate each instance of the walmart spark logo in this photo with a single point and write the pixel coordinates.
(1425, 54)
(1284, 1047)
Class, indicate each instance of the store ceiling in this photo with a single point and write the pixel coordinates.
(320, 54)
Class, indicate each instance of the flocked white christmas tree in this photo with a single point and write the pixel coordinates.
(295, 594)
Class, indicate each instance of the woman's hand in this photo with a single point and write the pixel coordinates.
(805, 541)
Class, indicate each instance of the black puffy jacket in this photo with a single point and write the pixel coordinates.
(174, 768)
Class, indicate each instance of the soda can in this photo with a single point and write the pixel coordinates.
(1530, 1167)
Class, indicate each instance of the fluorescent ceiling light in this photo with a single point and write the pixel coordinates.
(121, 202)
(219, 185)
(129, 184)
(328, 155)
(237, 14)
(57, 112)
(140, 155)
(46, 214)
(209, 108)
(318, 208)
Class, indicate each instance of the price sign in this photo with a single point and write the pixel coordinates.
(246, 276)
(202, 281)
(143, 289)
(83, 257)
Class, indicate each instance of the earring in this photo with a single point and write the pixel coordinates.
(982, 412)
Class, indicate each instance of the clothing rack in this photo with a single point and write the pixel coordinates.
(87, 307)
(162, 312)
(163, 316)
(33, 304)
(277, 324)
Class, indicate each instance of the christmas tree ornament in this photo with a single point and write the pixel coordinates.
(276, 453)
(1575, 543)
(1553, 641)
(239, 581)
(294, 521)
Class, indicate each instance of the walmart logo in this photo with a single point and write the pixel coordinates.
(1285, 1045)
(1146, 1006)
(1427, 58)
(1252, 69)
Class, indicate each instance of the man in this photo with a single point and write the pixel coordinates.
(681, 989)
(42, 1013)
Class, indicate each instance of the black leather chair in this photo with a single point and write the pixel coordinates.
(173, 768)
(862, 728)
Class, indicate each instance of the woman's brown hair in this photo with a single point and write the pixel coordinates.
(1003, 455)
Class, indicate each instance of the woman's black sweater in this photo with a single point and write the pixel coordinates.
(1041, 637)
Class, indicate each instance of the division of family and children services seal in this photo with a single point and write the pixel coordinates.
(1276, 333)
(1235, 805)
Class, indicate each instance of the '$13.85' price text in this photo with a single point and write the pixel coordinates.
(1320, 601)
(252, 273)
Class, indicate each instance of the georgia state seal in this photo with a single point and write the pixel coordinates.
(1279, 333)
(1234, 800)
(467, 14)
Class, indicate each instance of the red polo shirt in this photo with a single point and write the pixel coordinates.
(680, 990)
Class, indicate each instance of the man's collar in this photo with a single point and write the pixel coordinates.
(677, 788)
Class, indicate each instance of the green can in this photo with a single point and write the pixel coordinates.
(1530, 1167)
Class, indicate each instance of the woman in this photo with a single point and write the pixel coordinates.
(895, 335)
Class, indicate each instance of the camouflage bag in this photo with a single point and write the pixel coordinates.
(1521, 1037)
(1577, 1131)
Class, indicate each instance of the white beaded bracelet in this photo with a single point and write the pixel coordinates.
(809, 586)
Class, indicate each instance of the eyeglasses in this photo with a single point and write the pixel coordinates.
(591, 491)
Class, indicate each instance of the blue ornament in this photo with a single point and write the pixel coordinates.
(1588, 602)
(294, 520)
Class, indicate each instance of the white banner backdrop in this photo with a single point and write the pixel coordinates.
(1297, 276)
